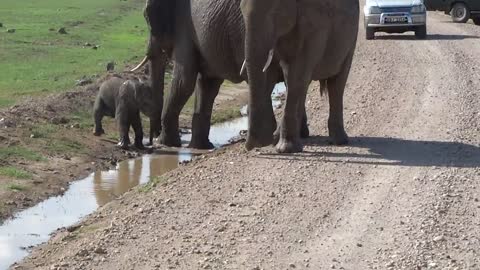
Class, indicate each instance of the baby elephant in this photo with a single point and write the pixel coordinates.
(124, 100)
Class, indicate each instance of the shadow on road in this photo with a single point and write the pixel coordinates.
(429, 37)
(392, 151)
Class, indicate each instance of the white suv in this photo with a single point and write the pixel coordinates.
(398, 16)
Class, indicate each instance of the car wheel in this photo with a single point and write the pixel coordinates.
(421, 32)
(476, 20)
(370, 33)
(460, 13)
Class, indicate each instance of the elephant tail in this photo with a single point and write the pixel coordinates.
(323, 87)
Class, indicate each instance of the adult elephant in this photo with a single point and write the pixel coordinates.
(313, 40)
(205, 40)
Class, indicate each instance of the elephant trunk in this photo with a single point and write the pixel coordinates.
(158, 59)
(160, 16)
(259, 44)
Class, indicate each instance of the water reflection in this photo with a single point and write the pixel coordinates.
(109, 185)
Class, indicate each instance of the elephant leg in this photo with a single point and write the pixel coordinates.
(154, 130)
(336, 88)
(304, 131)
(289, 130)
(158, 63)
(205, 94)
(123, 123)
(137, 128)
(98, 115)
(183, 84)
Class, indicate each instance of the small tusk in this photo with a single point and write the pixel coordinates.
(269, 60)
(242, 70)
(144, 61)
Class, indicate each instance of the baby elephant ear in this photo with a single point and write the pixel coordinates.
(141, 92)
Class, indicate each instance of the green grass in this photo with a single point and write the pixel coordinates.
(154, 181)
(83, 118)
(44, 130)
(65, 145)
(36, 60)
(16, 187)
(225, 115)
(112, 135)
(51, 139)
(15, 173)
(19, 152)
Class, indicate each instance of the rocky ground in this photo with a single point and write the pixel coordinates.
(403, 195)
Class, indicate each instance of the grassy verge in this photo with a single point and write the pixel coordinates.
(15, 173)
(225, 115)
(19, 152)
(36, 59)
(16, 187)
(83, 118)
(154, 181)
(55, 139)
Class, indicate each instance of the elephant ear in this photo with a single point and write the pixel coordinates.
(160, 17)
(143, 94)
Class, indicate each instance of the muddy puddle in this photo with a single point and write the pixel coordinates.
(34, 226)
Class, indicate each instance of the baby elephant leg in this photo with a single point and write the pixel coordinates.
(123, 123)
(98, 114)
(137, 127)
(155, 129)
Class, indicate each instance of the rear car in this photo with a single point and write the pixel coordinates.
(398, 16)
(460, 11)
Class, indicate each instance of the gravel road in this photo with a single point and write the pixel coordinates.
(403, 195)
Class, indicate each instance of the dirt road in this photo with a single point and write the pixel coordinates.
(404, 195)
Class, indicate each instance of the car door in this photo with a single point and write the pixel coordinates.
(442, 5)
(474, 5)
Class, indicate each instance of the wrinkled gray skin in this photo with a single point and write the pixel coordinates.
(205, 39)
(313, 40)
(124, 100)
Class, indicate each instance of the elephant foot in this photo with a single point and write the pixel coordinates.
(139, 144)
(304, 132)
(124, 143)
(338, 137)
(170, 140)
(98, 132)
(285, 146)
(258, 141)
(201, 145)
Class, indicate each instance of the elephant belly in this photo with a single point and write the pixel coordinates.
(219, 32)
(340, 45)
